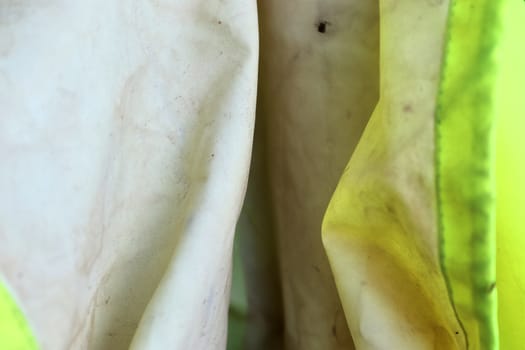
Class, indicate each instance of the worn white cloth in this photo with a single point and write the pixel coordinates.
(125, 140)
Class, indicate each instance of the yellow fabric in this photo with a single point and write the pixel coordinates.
(510, 174)
(380, 250)
(380, 228)
(15, 333)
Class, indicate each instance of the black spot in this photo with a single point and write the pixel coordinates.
(220, 22)
(457, 332)
(321, 26)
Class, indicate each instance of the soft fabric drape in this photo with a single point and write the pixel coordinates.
(365, 155)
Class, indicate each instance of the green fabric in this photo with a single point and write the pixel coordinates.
(465, 129)
(510, 175)
(15, 333)
(482, 87)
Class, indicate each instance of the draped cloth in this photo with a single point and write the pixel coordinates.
(364, 155)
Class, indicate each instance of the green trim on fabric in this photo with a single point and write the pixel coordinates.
(465, 173)
(15, 333)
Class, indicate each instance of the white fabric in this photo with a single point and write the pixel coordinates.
(125, 139)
